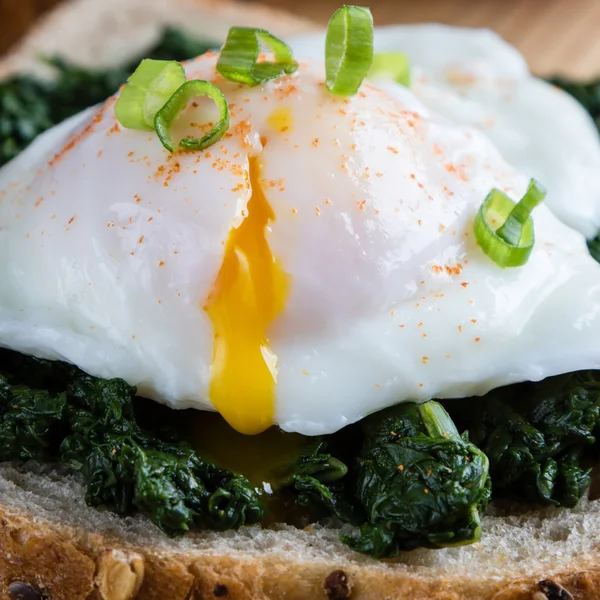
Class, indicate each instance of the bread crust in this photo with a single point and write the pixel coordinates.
(65, 563)
(44, 557)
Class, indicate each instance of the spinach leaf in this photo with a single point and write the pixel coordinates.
(539, 437)
(28, 420)
(24, 114)
(318, 481)
(90, 425)
(419, 482)
(594, 248)
(29, 107)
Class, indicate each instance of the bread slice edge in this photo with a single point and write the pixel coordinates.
(50, 540)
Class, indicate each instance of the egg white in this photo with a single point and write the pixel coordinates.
(109, 248)
(475, 78)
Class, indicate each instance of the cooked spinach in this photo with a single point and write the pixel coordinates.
(320, 485)
(24, 114)
(90, 425)
(539, 438)
(419, 482)
(53, 411)
(29, 420)
(29, 106)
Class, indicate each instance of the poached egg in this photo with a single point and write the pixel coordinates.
(315, 265)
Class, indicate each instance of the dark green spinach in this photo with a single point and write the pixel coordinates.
(419, 482)
(539, 437)
(320, 485)
(53, 411)
(90, 425)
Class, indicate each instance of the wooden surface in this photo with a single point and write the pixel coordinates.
(555, 35)
(16, 16)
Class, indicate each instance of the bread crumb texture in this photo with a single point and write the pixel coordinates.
(54, 547)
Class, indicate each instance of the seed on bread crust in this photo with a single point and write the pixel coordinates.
(19, 590)
(338, 586)
(119, 575)
(553, 591)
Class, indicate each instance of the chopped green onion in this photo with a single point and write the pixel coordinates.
(167, 115)
(348, 49)
(146, 91)
(504, 230)
(391, 65)
(239, 56)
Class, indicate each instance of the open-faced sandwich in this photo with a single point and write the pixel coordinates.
(313, 318)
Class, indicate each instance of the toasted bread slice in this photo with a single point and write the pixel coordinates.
(52, 545)
(51, 540)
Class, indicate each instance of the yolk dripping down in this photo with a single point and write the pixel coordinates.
(248, 294)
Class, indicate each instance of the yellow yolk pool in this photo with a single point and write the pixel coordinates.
(281, 119)
(249, 292)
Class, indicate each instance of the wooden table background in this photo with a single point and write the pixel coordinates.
(555, 35)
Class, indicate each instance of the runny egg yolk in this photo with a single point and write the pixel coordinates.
(249, 292)
(281, 119)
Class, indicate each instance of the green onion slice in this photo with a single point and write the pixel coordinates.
(239, 56)
(504, 230)
(168, 114)
(348, 49)
(393, 66)
(146, 91)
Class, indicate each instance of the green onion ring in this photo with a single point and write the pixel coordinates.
(146, 91)
(239, 56)
(509, 244)
(348, 49)
(167, 115)
(393, 66)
